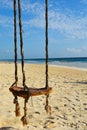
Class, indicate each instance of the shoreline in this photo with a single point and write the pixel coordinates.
(49, 65)
(70, 67)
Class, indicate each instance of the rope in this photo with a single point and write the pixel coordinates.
(47, 107)
(21, 43)
(21, 50)
(24, 119)
(46, 35)
(15, 42)
(17, 107)
(15, 46)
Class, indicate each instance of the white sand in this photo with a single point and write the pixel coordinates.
(68, 100)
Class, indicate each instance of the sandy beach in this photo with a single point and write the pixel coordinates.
(68, 99)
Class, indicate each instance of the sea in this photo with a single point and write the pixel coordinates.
(77, 62)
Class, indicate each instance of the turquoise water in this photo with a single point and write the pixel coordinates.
(80, 62)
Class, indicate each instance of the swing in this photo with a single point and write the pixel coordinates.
(25, 91)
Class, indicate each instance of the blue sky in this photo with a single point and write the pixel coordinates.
(67, 28)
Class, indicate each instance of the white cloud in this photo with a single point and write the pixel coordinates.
(5, 21)
(53, 40)
(35, 8)
(74, 50)
(84, 49)
(77, 51)
(6, 4)
(66, 23)
(27, 6)
(71, 26)
(83, 1)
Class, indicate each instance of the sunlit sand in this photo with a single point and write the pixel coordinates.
(68, 99)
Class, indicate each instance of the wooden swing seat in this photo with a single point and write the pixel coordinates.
(19, 91)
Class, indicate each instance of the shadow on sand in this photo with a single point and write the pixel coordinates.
(78, 82)
(8, 128)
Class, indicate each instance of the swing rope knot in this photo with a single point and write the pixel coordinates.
(17, 107)
(47, 106)
(25, 119)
